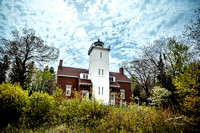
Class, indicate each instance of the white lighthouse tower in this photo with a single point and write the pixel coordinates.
(99, 71)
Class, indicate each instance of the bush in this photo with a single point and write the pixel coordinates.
(188, 94)
(40, 109)
(86, 113)
(143, 119)
(159, 96)
(12, 103)
(43, 113)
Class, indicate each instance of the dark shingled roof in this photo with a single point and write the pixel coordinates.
(84, 81)
(120, 77)
(114, 84)
(70, 71)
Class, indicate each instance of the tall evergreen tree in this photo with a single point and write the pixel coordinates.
(4, 66)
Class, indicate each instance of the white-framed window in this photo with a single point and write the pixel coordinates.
(112, 79)
(100, 71)
(85, 94)
(101, 55)
(112, 98)
(84, 76)
(68, 90)
(122, 93)
(99, 90)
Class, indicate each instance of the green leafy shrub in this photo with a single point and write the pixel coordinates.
(43, 113)
(86, 113)
(40, 109)
(58, 95)
(143, 119)
(12, 103)
(188, 93)
(159, 96)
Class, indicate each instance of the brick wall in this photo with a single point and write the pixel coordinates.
(85, 88)
(63, 81)
(128, 93)
(127, 88)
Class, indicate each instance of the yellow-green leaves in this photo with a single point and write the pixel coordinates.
(12, 102)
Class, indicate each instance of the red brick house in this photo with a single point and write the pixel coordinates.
(98, 82)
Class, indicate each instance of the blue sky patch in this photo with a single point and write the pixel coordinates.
(72, 26)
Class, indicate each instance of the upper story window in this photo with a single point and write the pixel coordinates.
(100, 71)
(68, 90)
(112, 79)
(84, 76)
(101, 55)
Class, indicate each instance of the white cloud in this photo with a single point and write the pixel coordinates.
(72, 26)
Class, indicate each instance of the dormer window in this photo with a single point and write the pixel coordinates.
(112, 79)
(84, 76)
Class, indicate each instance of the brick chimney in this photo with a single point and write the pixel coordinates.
(60, 64)
(121, 70)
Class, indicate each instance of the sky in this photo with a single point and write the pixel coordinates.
(73, 25)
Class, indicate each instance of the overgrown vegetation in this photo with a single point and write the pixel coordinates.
(167, 73)
(166, 77)
(13, 102)
(44, 113)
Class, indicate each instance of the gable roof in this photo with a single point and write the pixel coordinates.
(75, 72)
(71, 71)
(120, 77)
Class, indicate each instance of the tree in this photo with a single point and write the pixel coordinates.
(192, 31)
(141, 73)
(15, 75)
(156, 54)
(178, 56)
(44, 81)
(168, 57)
(51, 86)
(160, 62)
(4, 66)
(188, 92)
(25, 48)
(40, 80)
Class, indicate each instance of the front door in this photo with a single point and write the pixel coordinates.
(112, 98)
